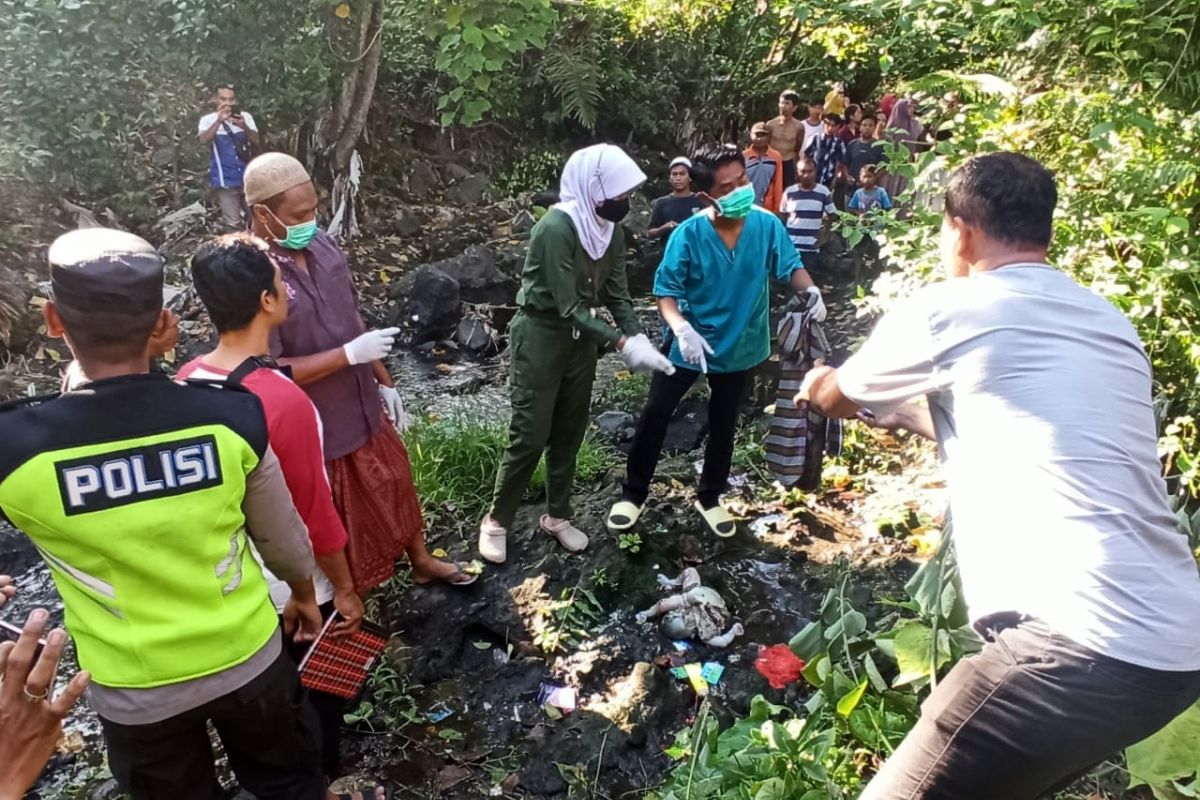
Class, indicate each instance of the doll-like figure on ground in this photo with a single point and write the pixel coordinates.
(693, 612)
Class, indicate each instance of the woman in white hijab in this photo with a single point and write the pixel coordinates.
(575, 267)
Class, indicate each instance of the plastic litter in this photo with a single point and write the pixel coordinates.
(557, 700)
(712, 672)
(438, 713)
(779, 665)
(696, 679)
(681, 645)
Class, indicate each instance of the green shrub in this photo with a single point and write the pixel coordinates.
(455, 460)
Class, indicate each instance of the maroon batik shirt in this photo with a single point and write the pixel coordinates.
(323, 315)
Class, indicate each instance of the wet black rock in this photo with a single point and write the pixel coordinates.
(455, 172)
(616, 425)
(475, 335)
(479, 278)
(423, 181)
(433, 306)
(407, 223)
(468, 191)
(688, 427)
(522, 223)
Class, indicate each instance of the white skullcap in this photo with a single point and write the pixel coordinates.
(271, 174)
(680, 160)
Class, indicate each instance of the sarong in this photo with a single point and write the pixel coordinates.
(374, 494)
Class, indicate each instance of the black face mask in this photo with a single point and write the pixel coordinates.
(613, 210)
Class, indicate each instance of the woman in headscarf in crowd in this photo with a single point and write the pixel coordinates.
(575, 268)
(903, 129)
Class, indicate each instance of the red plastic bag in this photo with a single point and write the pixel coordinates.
(779, 665)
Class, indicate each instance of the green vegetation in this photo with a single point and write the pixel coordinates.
(455, 459)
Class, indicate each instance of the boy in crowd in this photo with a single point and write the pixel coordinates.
(670, 210)
(243, 293)
(807, 208)
(764, 166)
(713, 293)
(1073, 568)
(864, 151)
(153, 489)
(871, 196)
(828, 152)
(813, 127)
(787, 135)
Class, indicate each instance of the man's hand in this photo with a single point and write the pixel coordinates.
(30, 719)
(816, 304)
(7, 590)
(350, 607)
(370, 346)
(393, 406)
(818, 371)
(302, 620)
(224, 114)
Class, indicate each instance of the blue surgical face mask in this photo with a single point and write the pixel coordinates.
(738, 203)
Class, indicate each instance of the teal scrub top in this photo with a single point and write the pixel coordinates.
(723, 293)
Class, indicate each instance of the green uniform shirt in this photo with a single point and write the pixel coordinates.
(561, 281)
(132, 490)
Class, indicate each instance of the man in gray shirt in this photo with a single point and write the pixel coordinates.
(1084, 591)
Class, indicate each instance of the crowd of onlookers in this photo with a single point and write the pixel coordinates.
(205, 529)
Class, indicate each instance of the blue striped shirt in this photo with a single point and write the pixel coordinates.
(805, 209)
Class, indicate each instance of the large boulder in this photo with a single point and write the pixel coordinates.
(467, 191)
(479, 278)
(423, 181)
(432, 307)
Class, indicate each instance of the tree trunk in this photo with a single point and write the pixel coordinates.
(339, 135)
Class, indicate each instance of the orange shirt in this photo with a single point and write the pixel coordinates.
(772, 197)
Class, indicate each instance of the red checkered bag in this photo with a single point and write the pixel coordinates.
(340, 666)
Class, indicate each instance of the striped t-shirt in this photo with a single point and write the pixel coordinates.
(805, 209)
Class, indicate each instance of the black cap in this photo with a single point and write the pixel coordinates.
(101, 269)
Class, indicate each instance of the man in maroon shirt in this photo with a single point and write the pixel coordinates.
(339, 364)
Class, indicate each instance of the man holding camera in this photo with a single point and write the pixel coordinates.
(232, 137)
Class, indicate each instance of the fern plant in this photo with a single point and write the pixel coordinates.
(574, 77)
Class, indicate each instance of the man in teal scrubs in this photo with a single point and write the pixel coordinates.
(713, 293)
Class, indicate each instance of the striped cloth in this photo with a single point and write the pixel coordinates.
(799, 436)
(340, 666)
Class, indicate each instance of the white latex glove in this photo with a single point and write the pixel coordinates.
(817, 304)
(640, 354)
(370, 346)
(692, 346)
(393, 406)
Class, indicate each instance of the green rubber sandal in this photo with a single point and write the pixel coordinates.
(718, 520)
(623, 516)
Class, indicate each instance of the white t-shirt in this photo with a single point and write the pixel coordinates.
(810, 132)
(1040, 393)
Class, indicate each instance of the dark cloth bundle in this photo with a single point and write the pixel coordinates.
(799, 437)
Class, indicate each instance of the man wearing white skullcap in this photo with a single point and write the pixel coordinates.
(339, 363)
(670, 210)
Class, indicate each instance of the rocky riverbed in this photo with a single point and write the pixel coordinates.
(454, 709)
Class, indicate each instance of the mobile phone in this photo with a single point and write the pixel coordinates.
(235, 110)
(11, 633)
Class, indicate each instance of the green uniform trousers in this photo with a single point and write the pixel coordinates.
(550, 381)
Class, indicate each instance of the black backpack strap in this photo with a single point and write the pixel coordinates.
(242, 370)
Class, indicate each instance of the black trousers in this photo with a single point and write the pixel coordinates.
(267, 729)
(789, 177)
(330, 708)
(1027, 716)
(666, 391)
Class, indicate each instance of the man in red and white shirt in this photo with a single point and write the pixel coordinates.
(241, 288)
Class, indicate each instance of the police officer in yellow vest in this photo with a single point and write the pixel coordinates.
(139, 493)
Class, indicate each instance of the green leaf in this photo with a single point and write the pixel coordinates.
(772, 789)
(808, 642)
(453, 15)
(851, 699)
(473, 36)
(914, 645)
(1170, 755)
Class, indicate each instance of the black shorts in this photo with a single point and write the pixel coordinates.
(267, 730)
(789, 176)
